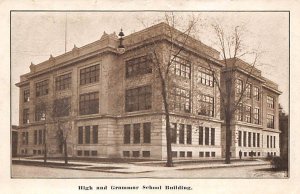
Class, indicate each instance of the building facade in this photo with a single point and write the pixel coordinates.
(109, 103)
(255, 126)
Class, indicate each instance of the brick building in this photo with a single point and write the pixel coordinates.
(112, 102)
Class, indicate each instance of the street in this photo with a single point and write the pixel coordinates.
(262, 171)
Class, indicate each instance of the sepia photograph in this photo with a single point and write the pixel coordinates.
(150, 94)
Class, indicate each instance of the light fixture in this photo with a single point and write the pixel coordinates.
(121, 48)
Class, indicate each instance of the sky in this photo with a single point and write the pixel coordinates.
(36, 35)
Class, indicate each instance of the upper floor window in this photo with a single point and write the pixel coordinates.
(206, 77)
(25, 116)
(42, 88)
(89, 74)
(248, 114)
(248, 90)
(89, 103)
(40, 112)
(239, 86)
(181, 67)
(180, 100)
(63, 82)
(138, 66)
(256, 93)
(239, 112)
(138, 99)
(62, 107)
(270, 102)
(270, 121)
(206, 105)
(256, 115)
(26, 95)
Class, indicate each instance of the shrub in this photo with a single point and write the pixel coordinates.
(279, 163)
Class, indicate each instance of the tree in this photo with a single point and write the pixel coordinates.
(56, 117)
(164, 51)
(232, 48)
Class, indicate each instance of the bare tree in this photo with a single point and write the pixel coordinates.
(56, 116)
(164, 50)
(232, 47)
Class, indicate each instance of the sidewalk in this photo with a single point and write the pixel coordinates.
(139, 167)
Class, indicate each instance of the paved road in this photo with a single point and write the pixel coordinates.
(21, 171)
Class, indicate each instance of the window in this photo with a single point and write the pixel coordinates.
(248, 90)
(62, 107)
(274, 145)
(180, 100)
(271, 139)
(40, 137)
(206, 136)
(181, 154)
(146, 154)
(239, 112)
(213, 154)
(201, 154)
(41, 88)
(258, 140)
(80, 135)
(270, 121)
(239, 138)
(270, 102)
(25, 116)
(35, 137)
(136, 133)
(173, 127)
(206, 105)
(256, 116)
(256, 93)
(126, 154)
(188, 134)
(126, 134)
(174, 154)
(206, 76)
(181, 67)
(26, 95)
(212, 136)
(138, 99)
(87, 135)
(245, 153)
(63, 82)
(248, 114)
(239, 86)
(267, 141)
(200, 135)
(89, 75)
(40, 112)
(207, 154)
(89, 103)
(147, 132)
(245, 138)
(86, 153)
(25, 138)
(136, 154)
(94, 153)
(249, 139)
(189, 154)
(79, 152)
(138, 66)
(254, 139)
(181, 133)
(95, 134)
